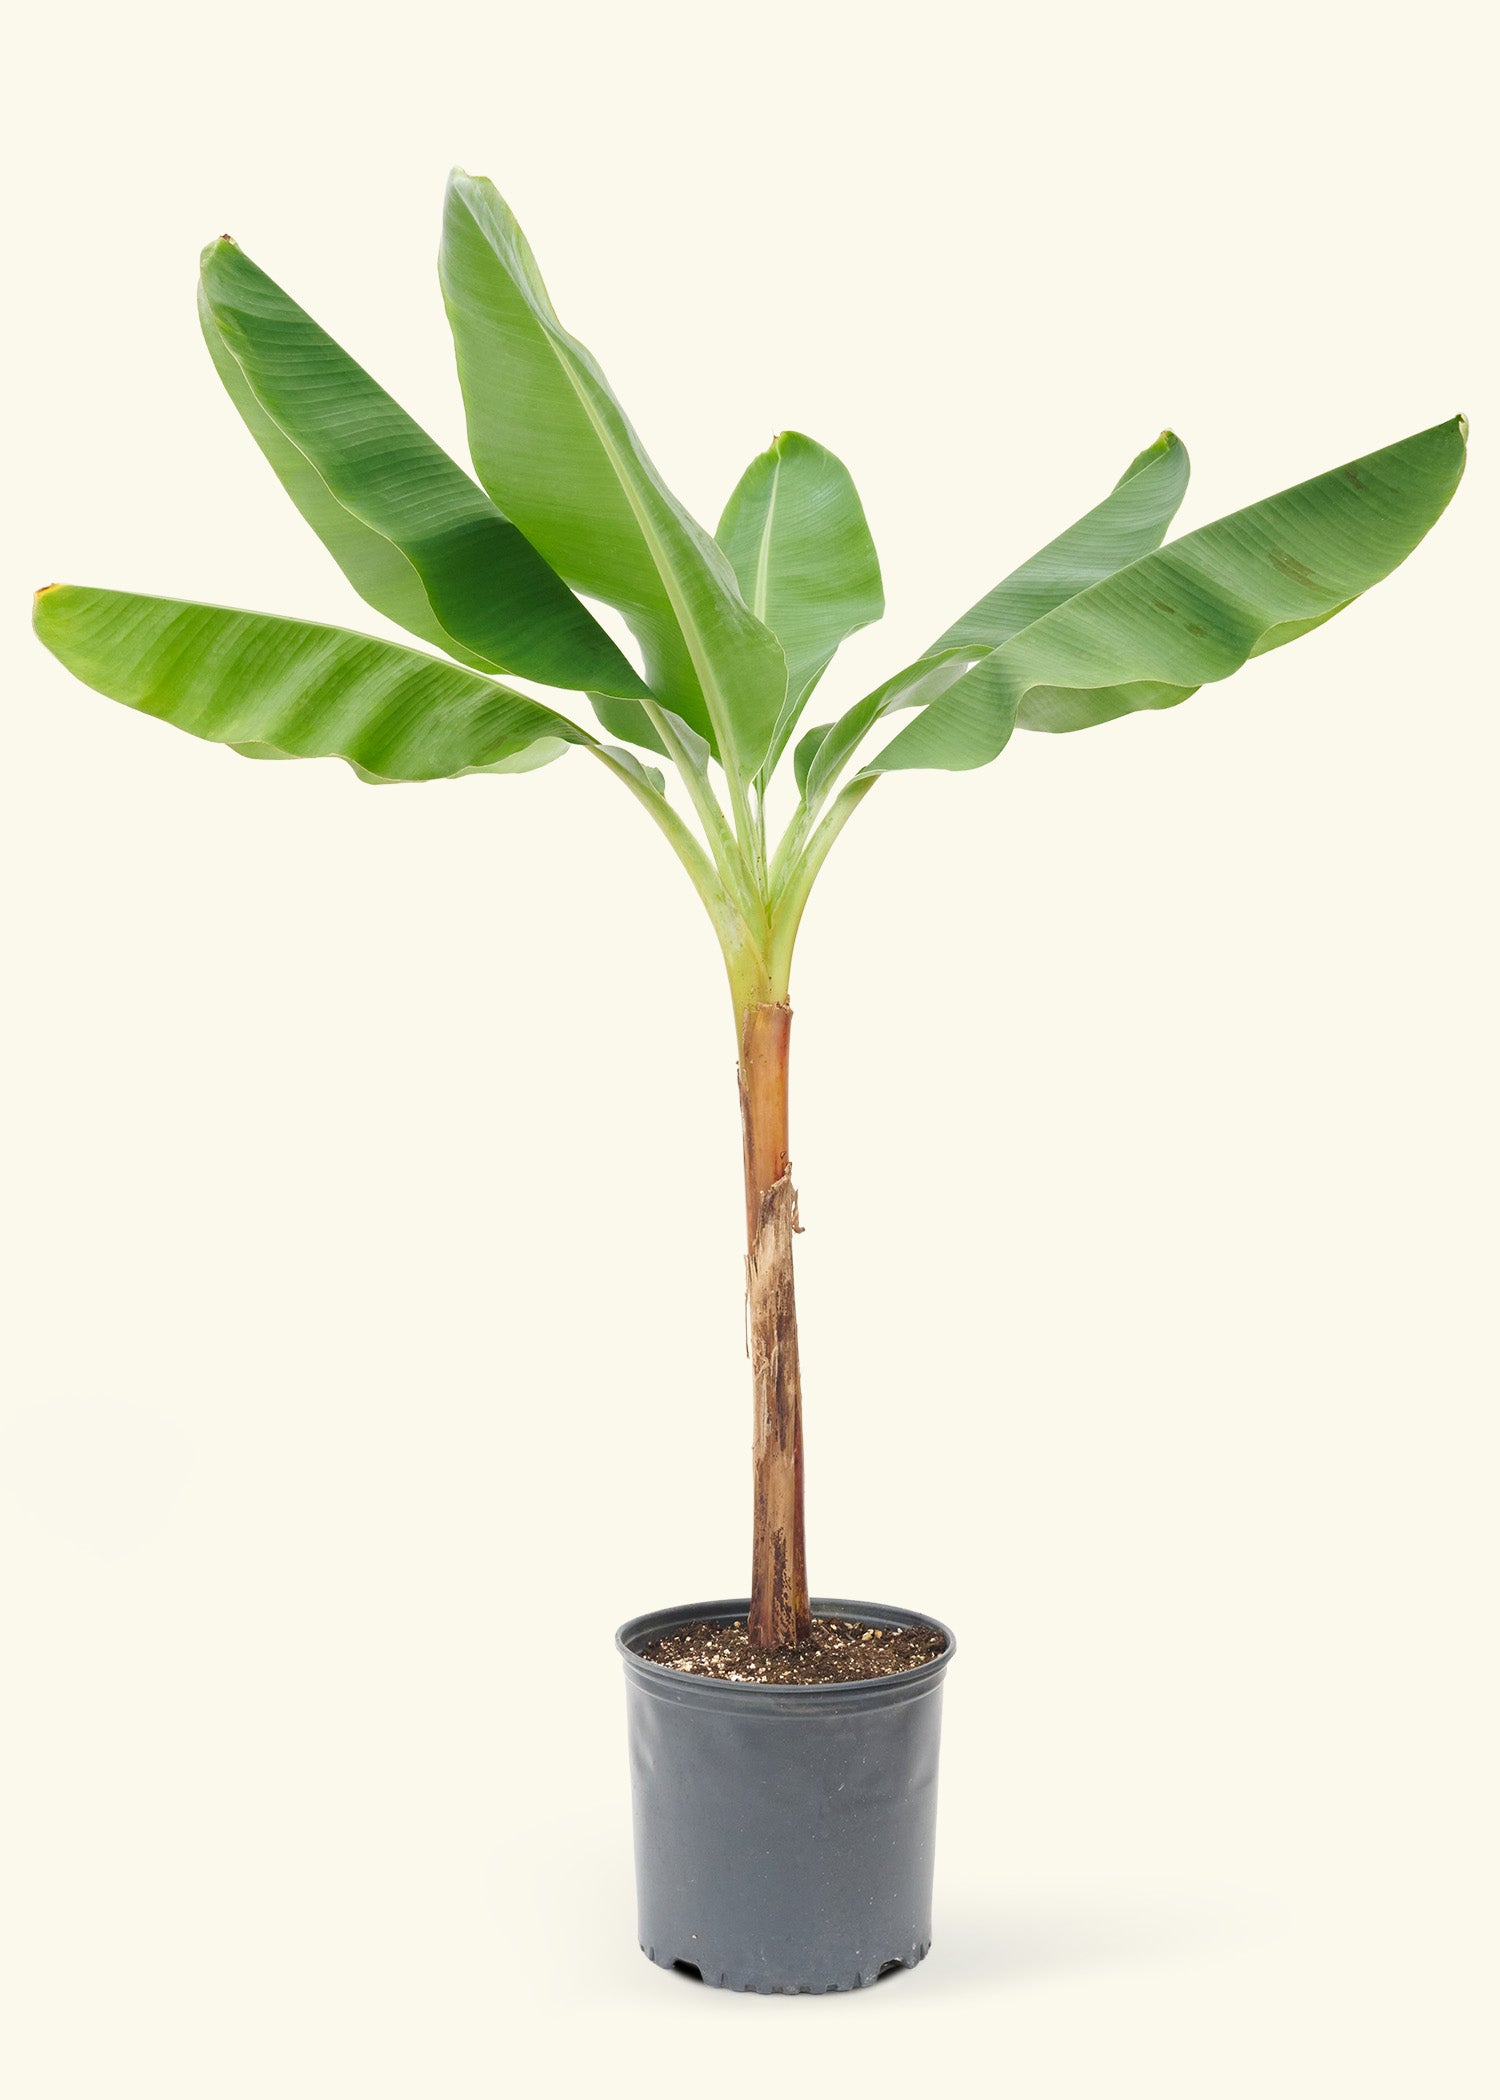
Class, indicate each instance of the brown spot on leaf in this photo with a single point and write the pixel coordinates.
(1298, 571)
(1351, 475)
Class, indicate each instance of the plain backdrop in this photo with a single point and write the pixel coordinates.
(373, 1328)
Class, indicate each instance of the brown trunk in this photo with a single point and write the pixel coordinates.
(779, 1613)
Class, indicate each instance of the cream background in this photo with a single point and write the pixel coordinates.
(373, 1168)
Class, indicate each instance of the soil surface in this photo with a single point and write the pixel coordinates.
(839, 1651)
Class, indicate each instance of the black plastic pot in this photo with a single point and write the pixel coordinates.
(783, 1833)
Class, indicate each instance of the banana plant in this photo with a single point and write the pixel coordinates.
(491, 572)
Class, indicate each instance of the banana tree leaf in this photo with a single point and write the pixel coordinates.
(381, 574)
(1128, 523)
(795, 533)
(556, 451)
(1132, 519)
(290, 689)
(415, 536)
(823, 753)
(1194, 611)
(807, 750)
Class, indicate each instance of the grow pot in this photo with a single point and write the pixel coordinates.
(783, 1833)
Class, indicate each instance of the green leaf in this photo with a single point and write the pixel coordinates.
(380, 573)
(1132, 519)
(293, 690)
(819, 764)
(556, 451)
(795, 534)
(1129, 522)
(1194, 611)
(808, 747)
(415, 536)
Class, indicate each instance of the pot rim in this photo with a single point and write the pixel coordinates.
(899, 1684)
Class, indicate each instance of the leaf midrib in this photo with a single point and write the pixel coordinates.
(762, 591)
(713, 697)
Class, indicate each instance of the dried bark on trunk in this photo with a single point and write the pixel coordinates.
(779, 1612)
